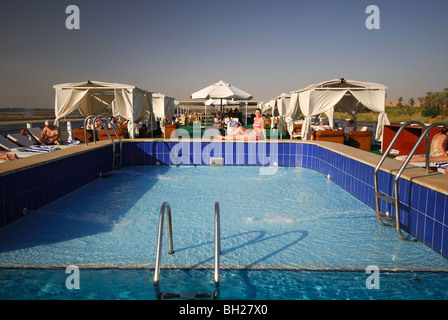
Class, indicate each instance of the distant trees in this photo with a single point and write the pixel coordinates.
(435, 103)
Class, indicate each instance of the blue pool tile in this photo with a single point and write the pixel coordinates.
(437, 237)
(299, 149)
(440, 207)
(415, 195)
(421, 227)
(422, 199)
(429, 229)
(292, 148)
(431, 203)
(445, 241)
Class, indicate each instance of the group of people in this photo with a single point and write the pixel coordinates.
(113, 124)
(258, 131)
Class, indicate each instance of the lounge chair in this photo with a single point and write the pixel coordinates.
(102, 134)
(78, 133)
(35, 133)
(8, 145)
(329, 135)
(360, 139)
(169, 128)
(297, 134)
(21, 140)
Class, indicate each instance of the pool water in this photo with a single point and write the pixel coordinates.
(235, 285)
(283, 236)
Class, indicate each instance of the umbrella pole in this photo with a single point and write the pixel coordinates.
(222, 113)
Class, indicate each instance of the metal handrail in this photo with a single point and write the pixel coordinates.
(165, 208)
(100, 117)
(217, 243)
(397, 177)
(396, 202)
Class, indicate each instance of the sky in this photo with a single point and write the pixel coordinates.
(177, 47)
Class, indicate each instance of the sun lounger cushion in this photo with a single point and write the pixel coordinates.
(7, 144)
(20, 139)
(35, 132)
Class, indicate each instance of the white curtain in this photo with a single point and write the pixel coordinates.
(313, 103)
(132, 105)
(67, 101)
(374, 100)
(293, 111)
(163, 107)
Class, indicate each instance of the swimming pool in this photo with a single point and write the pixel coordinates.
(295, 223)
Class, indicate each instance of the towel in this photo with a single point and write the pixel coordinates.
(441, 166)
(42, 149)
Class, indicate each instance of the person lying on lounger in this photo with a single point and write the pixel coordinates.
(438, 143)
(8, 157)
(441, 158)
(437, 151)
(50, 134)
(241, 133)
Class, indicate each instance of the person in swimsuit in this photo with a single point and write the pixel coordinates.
(50, 134)
(241, 133)
(437, 150)
(438, 142)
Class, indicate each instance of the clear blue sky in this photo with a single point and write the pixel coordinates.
(178, 47)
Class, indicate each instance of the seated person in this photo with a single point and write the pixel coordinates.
(50, 134)
(348, 128)
(113, 123)
(321, 127)
(98, 125)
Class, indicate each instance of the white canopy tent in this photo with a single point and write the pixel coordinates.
(164, 108)
(347, 94)
(279, 108)
(93, 97)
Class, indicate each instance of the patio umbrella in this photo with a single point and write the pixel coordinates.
(221, 90)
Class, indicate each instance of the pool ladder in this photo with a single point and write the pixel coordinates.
(115, 153)
(166, 210)
(381, 217)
